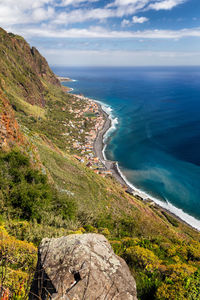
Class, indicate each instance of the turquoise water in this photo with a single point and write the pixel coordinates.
(157, 138)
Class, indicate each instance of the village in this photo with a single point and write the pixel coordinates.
(88, 112)
(82, 145)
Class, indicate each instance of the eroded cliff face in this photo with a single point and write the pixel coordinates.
(23, 71)
(10, 133)
(42, 68)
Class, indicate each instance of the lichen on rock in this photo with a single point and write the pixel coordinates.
(81, 267)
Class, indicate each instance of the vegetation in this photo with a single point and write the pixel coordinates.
(17, 264)
(45, 192)
(164, 266)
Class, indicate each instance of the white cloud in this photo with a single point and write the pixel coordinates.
(128, 2)
(135, 20)
(166, 4)
(125, 23)
(100, 32)
(82, 15)
(138, 5)
(24, 12)
(139, 20)
(127, 7)
(24, 4)
(41, 14)
(27, 12)
(75, 2)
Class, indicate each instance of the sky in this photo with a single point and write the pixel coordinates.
(108, 33)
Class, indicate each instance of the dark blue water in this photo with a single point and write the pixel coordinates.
(157, 142)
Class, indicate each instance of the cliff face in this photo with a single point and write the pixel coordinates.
(23, 71)
(9, 129)
(23, 74)
(41, 67)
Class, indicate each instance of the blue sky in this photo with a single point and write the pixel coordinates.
(112, 32)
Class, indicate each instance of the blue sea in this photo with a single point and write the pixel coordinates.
(156, 117)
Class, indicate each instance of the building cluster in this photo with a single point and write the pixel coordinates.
(89, 112)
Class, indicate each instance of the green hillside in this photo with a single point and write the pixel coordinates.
(46, 192)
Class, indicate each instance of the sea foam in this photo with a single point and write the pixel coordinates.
(166, 205)
(114, 122)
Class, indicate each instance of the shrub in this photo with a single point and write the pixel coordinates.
(66, 206)
(117, 247)
(178, 282)
(17, 261)
(90, 228)
(147, 285)
(24, 189)
(104, 231)
(142, 258)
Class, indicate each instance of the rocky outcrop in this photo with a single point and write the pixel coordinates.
(81, 267)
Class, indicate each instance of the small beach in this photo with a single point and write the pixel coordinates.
(99, 146)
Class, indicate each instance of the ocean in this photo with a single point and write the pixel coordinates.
(155, 135)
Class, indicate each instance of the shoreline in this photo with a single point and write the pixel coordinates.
(99, 147)
(112, 166)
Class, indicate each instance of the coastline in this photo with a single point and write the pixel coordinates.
(99, 145)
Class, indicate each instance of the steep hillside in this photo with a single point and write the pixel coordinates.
(46, 192)
(23, 69)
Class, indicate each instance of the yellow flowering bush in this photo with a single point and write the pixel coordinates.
(143, 258)
(17, 264)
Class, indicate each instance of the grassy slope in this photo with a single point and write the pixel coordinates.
(83, 199)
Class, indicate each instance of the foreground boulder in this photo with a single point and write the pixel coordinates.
(81, 267)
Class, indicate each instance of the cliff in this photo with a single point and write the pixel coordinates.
(10, 133)
(23, 71)
(46, 192)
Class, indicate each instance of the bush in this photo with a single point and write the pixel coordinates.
(24, 189)
(90, 228)
(142, 258)
(147, 285)
(181, 282)
(17, 265)
(65, 206)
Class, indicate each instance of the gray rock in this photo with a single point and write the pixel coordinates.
(81, 267)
